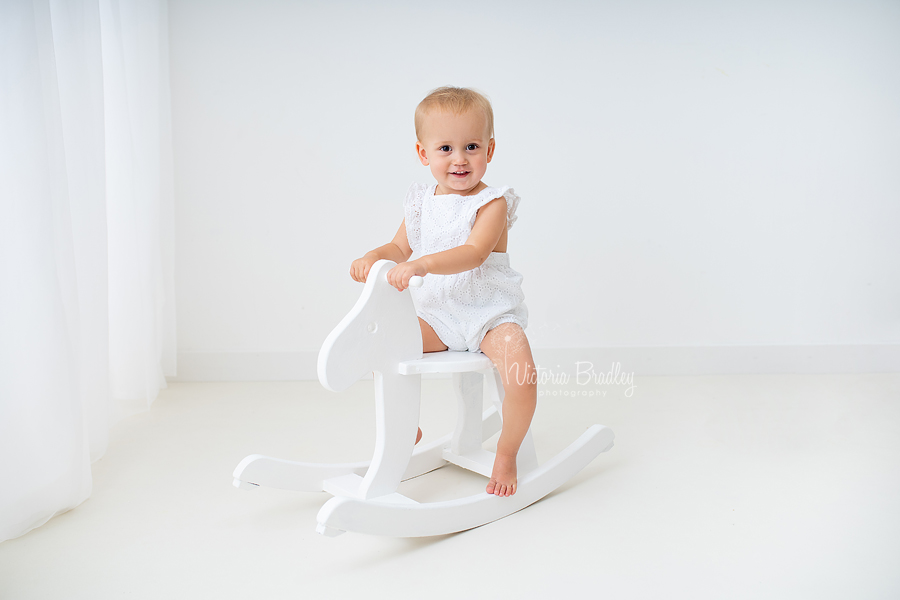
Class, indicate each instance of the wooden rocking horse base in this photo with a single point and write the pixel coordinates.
(399, 516)
(381, 334)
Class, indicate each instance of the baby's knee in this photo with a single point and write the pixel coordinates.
(506, 339)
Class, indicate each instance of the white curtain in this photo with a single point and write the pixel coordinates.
(87, 321)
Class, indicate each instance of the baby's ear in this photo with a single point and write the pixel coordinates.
(420, 152)
(490, 153)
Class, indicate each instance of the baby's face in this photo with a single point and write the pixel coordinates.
(457, 148)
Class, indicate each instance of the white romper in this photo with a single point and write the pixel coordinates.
(463, 307)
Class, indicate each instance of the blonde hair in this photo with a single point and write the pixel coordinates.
(456, 100)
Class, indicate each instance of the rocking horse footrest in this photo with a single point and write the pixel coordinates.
(348, 486)
(480, 461)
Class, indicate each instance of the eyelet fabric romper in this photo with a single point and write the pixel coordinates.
(462, 307)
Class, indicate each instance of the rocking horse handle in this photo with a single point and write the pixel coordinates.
(414, 281)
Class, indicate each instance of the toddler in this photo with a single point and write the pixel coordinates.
(471, 299)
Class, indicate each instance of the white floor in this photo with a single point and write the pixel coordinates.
(750, 486)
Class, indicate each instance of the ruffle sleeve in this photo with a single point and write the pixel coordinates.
(488, 194)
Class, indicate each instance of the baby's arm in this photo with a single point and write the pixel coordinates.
(397, 250)
(490, 223)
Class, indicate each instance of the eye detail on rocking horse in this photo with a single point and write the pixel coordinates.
(381, 334)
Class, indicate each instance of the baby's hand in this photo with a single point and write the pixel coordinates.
(400, 275)
(359, 268)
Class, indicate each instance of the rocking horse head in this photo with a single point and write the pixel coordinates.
(378, 333)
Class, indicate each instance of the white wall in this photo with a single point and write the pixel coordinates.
(693, 174)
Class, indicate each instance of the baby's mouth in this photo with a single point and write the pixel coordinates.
(459, 173)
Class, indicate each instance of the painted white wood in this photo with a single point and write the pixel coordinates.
(439, 518)
(381, 334)
(446, 362)
(376, 334)
(344, 485)
(245, 485)
(396, 425)
(257, 470)
(478, 460)
(468, 388)
(351, 486)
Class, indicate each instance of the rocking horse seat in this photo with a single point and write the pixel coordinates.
(381, 334)
(447, 361)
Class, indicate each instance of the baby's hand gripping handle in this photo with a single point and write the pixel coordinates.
(414, 281)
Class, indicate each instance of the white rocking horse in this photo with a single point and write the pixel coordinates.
(381, 334)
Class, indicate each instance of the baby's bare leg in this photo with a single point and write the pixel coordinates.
(430, 340)
(507, 346)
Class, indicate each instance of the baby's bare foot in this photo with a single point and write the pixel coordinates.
(419, 435)
(503, 476)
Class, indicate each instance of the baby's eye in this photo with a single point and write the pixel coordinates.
(444, 148)
(472, 147)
